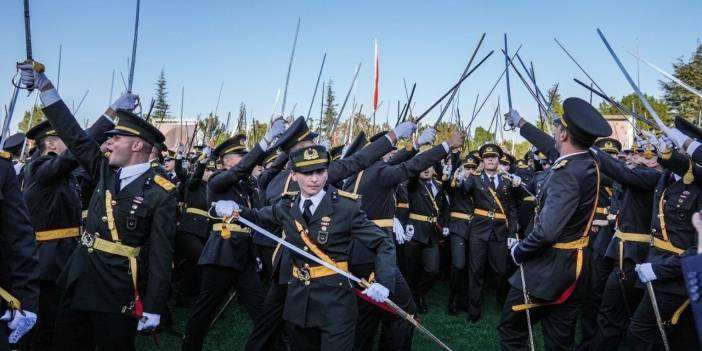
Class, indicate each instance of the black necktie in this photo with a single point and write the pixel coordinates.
(306, 213)
(118, 181)
(492, 182)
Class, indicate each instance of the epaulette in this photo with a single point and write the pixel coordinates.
(164, 183)
(560, 164)
(154, 164)
(5, 155)
(349, 195)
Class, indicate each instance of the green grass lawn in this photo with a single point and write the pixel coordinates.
(233, 327)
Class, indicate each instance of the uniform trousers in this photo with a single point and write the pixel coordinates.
(480, 252)
(86, 330)
(332, 337)
(643, 330)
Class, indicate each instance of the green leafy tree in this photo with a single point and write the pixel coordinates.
(161, 107)
(632, 101)
(36, 116)
(256, 133)
(211, 130)
(680, 101)
(480, 137)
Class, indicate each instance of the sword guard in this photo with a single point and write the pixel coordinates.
(364, 283)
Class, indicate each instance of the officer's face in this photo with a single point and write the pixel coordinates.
(54, 144)
(312, 182)
(231, 160)
(490, 163)
(504, 167)
(206, 175)
(427, 173)
(169, 165)
(122, 149)
(257, 171)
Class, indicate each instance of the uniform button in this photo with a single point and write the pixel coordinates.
(695, 297)
(692, 281)
(305, 248)
(692, 274)
(694, 288)
(113, 202)
(104, 219)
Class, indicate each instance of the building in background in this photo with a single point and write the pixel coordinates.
(177, 133)
(622, 129)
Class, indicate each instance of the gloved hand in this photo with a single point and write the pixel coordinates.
(225, 208)
(274, 131)
(650, 137)
(445, 231)
(516, 180)
(664, 143)
(20, 322)
(511, 242)
(446, 170)
(31, 78)
(645, 271)
(148, 321)
(427, 137)
(377, 292)
(512, 117)
(459, 175)
(181, 149)
(404, 130)
(126, 101)
(677, 137)
(409, 232)
(399, 231)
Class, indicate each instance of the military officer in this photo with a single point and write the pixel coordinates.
(19, 281)
(227, 260)
(552, 253)
(320, 306)
(117, 281)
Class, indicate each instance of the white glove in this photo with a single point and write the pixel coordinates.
(516, 180)
(445, 231)
(399, 231)
(446, 170)
(409, 232)
(207, 151)
(677, 137)
(148, 321)
(645, 272)
(664, 143)
(274, 131)
(225, 208)
(377, 292)
(126, 101)
(427, 137)
(650, 137)
(31, 78)
(20, 322)
(512, 117)
(511, 242)
(404, 130)
(459, 175)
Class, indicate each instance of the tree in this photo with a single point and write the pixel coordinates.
(330, 111)
(258, 130)
(680, 101)
(36, 115)
(211, 130)
(480, 137)
(161, 107)
(556, 103)
(632, 102)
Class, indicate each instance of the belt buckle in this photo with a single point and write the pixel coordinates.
(431, 219)
(304, 275)
(87, 240)
(491, 214)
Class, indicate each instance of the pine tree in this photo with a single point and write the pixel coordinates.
(161, 107)
(680, 101)
(330, 111)
(632, 102)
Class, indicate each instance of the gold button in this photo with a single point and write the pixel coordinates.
(305, 248)
(114, 202)
(104, 219)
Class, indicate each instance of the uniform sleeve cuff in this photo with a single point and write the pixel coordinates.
(49, 97)
(692, 147)
(390, 140)
(108, 118)
(446, 146)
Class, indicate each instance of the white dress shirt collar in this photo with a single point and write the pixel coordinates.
(316, 199)
(132, 172)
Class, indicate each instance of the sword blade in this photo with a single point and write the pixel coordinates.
(507, 61)
(27, 31)
(667, 75)
(287, 77)
(346, 99)
(657, 313)
(638, 92)
(134, 48)
(402, 313)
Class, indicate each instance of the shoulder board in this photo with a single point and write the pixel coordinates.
(5, 155)
(349, 195)
(164, 183)
(154, 164)
(560, 164)
(290, 193)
